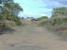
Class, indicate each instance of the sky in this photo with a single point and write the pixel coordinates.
(38, 8)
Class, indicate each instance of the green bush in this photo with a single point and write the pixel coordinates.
(18, 22)
(42, 17)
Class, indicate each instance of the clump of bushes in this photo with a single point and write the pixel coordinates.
(8, 19)
(57, 22)
(42, 20)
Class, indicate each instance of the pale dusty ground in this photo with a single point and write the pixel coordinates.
(31, 37)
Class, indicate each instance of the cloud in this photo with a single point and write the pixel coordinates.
(55, 3)
(40, 7)
(62, 1)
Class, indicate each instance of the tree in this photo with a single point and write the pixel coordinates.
(11, 11)
(8, 14)
(59, 15)
(13, 8)
(59, 12)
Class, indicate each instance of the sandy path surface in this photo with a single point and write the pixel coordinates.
(31, 38)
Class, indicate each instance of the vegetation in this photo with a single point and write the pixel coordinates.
(42, 17)
(9, 17)
(59, 16)
(42, 20)
(57, 22)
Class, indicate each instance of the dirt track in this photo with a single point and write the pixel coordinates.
(31, 38)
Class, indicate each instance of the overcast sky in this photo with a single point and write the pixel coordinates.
(37, 8)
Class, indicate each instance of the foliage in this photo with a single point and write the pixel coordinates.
(12, 6)
(43, 17)
(43, 22)
(59, 15)
(7, 15)
(59, 12)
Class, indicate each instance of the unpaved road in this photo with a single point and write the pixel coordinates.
(31, 38)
